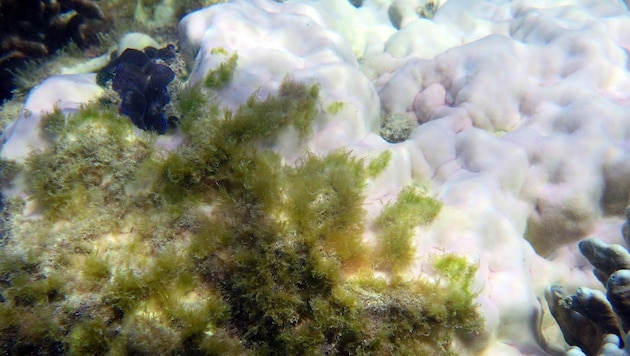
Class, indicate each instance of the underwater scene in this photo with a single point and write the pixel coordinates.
(315, 177)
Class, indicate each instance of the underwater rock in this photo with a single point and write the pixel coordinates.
(141, 78)
(84, 7)
(611, 346)
(2, 228)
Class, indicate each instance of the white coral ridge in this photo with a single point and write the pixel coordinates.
(523, 123)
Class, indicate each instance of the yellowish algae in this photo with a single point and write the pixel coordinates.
(218, 247)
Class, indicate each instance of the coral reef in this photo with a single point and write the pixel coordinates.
(513, 113)
(595, 322)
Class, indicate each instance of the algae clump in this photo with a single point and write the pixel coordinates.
(396, 223)
(225, 249)
(219, 77)
(378, 164)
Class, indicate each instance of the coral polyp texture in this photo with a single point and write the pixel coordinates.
(345, 177)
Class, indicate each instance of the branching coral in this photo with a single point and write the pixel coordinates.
(593, 321)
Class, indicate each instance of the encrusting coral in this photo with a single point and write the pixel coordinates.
(218, 246)
(598, 323)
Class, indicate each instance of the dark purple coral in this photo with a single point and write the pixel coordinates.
(141, 78)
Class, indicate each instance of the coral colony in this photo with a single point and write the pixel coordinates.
(141, 78)
(33, 29)
(593, 321)
(397, 177)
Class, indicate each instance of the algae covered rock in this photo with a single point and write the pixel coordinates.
(218, 246)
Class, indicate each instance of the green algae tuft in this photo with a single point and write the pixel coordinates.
(378, 164)
(90, 161)
(396, 225)
(219, 77)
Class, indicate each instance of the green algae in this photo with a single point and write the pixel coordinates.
(53, 123)
(335, 107)
(89, 162)
(396, 224)
(217, 78)
(8, 171)
(397, 127)
(428, 9)
(378, 164)
(224, 249)
(88, 337)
